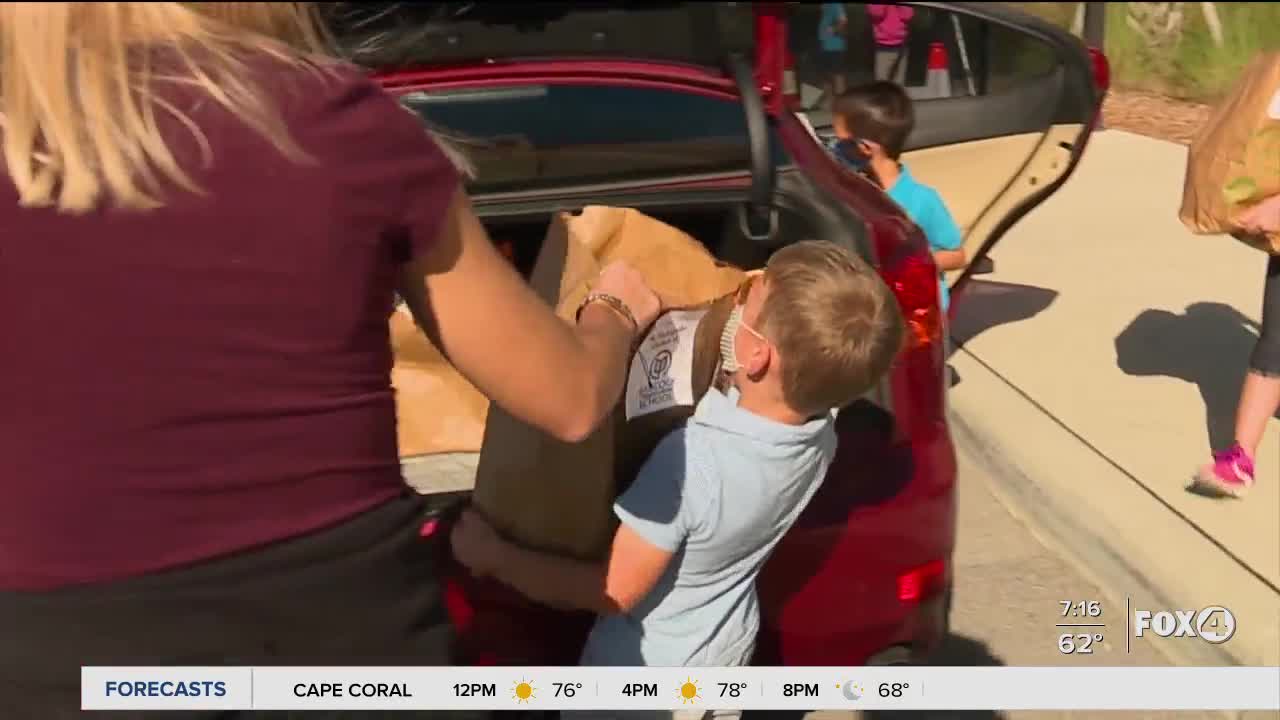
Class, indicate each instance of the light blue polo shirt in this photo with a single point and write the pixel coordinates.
(925, 208)
(719, 493)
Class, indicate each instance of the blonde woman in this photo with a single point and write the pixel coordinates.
(203, 222)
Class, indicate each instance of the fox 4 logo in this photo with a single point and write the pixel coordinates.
(1214, 624)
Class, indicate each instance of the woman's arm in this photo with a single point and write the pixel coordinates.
(504, 339)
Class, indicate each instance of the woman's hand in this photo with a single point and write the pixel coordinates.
(1263, 217)
(623, 282)
(476, 544)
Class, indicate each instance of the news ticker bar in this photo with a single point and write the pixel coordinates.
(731, 688)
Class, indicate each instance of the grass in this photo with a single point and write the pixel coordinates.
(1195, 69)
(1058, 13)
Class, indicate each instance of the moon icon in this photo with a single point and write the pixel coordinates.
(852, 691)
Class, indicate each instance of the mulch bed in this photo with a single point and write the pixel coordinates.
(1153, 115)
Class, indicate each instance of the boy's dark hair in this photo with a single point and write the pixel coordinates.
(880, 112)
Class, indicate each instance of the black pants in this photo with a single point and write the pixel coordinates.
(1266, 354)
(363, 593)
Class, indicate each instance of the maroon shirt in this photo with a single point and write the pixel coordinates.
(188, 382)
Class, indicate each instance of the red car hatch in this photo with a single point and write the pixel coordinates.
(725, 50)
(500, 35)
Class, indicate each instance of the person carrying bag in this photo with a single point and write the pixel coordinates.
(206, 220)
(1233, 187)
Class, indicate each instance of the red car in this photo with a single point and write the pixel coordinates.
(688, 112)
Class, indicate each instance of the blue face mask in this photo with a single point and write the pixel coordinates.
(848, 152)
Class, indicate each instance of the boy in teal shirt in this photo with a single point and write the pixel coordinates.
(872, 124)
(832, 43)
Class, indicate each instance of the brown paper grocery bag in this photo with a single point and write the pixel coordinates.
(1234, 160)
(437, 410)
(556, 496)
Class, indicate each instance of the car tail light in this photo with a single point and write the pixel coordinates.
(915, 283)
(916, 389)
(774, 60)
(790, 81)
(922, 582)
(1101, 70)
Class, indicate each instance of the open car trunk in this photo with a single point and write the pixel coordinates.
(714, 218)
(494, 624)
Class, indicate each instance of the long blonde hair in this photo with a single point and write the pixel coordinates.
(78, 101)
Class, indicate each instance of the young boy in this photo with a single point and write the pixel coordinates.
(813, 332)
(833, 29)
(872, 124)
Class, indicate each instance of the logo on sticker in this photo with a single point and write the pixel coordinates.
(657, 374)
(659, 366)
(661, 371)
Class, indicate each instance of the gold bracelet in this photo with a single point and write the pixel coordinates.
(614, 304)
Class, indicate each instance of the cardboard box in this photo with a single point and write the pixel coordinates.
(555, 496)
(1234, 160)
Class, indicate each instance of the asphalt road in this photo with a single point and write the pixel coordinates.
(1008, 586)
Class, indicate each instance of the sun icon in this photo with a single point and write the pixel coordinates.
(522, 691)
(689, 691)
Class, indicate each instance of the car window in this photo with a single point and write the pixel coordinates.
(383, 34)
(981, 57)
(525, 137)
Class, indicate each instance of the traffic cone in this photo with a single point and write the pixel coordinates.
(938, 79)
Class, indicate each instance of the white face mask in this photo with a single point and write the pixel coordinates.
(729, 341)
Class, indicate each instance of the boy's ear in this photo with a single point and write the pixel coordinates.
(759, 362)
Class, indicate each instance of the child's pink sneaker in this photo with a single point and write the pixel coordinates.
(1231, 473)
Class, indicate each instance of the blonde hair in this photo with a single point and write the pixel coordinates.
(78, 100)
(835, 324)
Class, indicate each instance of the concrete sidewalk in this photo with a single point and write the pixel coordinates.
(1101, 362)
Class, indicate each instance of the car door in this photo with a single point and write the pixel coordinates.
(1004, 103)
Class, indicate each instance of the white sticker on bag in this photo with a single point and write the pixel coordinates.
(661, 373)
(1273, 110)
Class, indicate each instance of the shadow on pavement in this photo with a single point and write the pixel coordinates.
(1208, 345)
(961, 651)
(956, 650)
(985, 304)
